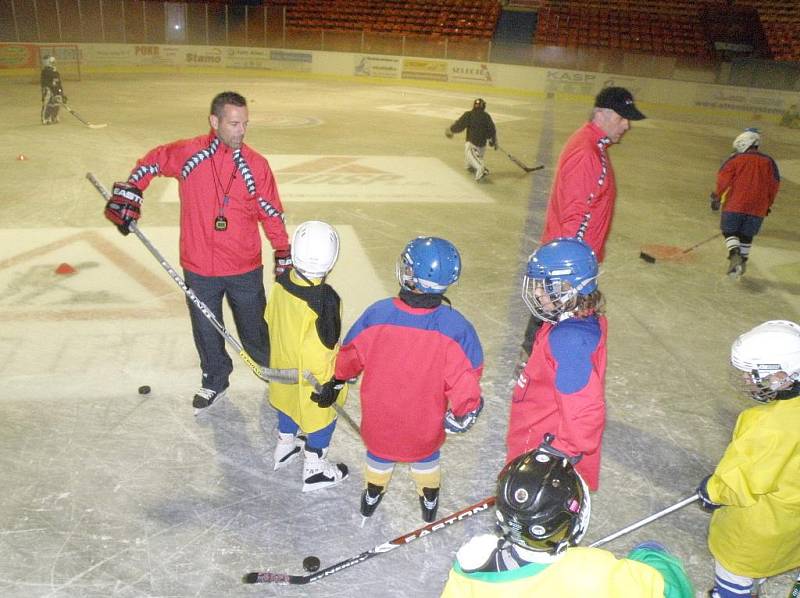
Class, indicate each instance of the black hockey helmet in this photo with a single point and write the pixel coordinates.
(542, 502)
(479, 104)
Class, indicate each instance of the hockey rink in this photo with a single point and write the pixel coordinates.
(106, 492)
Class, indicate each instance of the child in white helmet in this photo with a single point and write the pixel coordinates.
(755, 489)
(747, 183)
(304, 319)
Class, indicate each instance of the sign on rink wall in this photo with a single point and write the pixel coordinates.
(18, 59)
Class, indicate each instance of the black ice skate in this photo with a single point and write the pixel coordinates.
(205, 397)
(371, 498)
(429, 503)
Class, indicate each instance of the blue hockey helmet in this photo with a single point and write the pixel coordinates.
(557, 273)
(428, 265)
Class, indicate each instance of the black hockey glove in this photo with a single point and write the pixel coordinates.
(715, 202)
(454, 424)
(283, 260)
(124, 206)
(448, 133)
(702, 494)
(328, 393)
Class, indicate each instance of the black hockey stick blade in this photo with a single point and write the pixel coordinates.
(518, 162)
(647, 257)
(286, 579)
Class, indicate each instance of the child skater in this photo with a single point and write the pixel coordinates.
(418, 356)
(304, 320)
(561, 389)
(755, 488)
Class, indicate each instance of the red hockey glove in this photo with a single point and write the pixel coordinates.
(283, 260)
(124, 206)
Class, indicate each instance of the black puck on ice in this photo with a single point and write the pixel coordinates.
(311, 563)
(144, 390)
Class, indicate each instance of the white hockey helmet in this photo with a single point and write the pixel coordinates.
(50, 60)
(767, 360)
(315, 247)
(744, 141)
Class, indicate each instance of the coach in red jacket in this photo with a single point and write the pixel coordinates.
(747, 183)
(226, 189)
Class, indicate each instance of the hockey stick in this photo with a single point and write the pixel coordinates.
(634, 526)
(78, 116)
(651, 259)
(267, 374)
(519, 162)
(340, 410)
(286, 579)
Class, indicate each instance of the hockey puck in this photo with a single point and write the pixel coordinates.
(311, 563)
(144, 390)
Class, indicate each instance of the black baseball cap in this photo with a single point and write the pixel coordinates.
(620, 100)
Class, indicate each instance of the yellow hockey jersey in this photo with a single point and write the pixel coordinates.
(304, 328)
(758, 534)
(578, 572)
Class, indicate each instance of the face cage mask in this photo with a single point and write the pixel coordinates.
(761, 386)
(557, 297)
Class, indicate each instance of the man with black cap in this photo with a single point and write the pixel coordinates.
(584, 190)
(480, 130)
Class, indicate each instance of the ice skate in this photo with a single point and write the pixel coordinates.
(287, 449)
(371, 498)
(429, 503)
(205, 397)
(736, 264)
(319, 473)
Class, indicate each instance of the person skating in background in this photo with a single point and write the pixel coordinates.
(754, 491)
(304, 323)
(421, 362)
(226, 189)
(480, 131)
(747, 183)
(543, 509)
(561, 389)
(52, 91)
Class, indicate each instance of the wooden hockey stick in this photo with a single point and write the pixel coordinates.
(518, 162)
(287, 376)
(78, 116)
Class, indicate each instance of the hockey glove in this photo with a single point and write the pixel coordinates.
(457, 424)
(493, 143)
(283, 260)
(124, 206)
(448, 133)
(715, 202)
(328, 393)
(702, 494)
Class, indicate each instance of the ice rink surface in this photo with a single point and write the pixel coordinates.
(106, 492)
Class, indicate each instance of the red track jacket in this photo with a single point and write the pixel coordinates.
(205, 167)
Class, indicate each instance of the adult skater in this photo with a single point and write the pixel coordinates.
(418, 355)
(305, 322)
(561, 390)
(755, 489)
(584, 191)
(225, 188)
(747, 183)
(480, 131)
(543, 510)
(52, 91)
